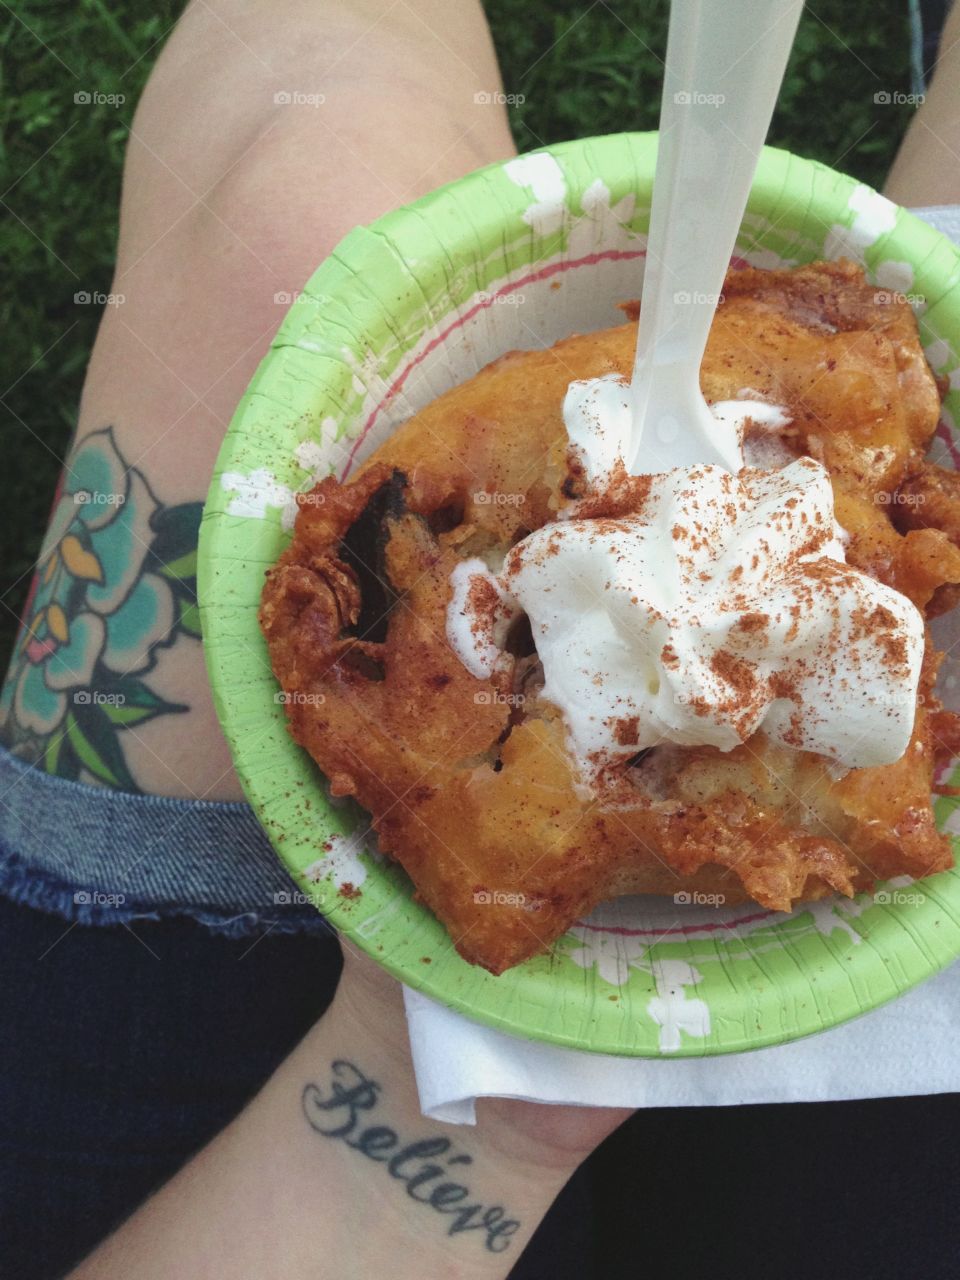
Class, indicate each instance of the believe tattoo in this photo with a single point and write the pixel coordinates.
(418, 1165)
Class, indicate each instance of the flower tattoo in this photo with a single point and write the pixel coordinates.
(115, 584)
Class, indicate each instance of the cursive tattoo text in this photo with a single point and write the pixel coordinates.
(420, 1166)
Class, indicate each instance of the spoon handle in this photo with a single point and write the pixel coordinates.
(725, 62)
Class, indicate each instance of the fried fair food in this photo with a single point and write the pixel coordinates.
(469, 781)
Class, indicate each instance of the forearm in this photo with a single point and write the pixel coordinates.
(265, 134)
(927, 167)
(332, 1172)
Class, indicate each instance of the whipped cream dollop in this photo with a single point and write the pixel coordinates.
(722, 605)
(478, 618)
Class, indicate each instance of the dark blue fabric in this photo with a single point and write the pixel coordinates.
(100, 856)
(125, 1049)
(805, 1191)
(927, 18)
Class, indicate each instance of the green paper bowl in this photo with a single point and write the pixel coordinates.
(519, 255)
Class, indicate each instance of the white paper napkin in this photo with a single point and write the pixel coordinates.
(910, 1046)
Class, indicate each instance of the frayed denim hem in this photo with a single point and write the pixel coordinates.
(95, 856)
(29, 887)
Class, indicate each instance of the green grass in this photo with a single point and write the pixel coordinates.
(580, 70)
(603, 73)
(61, 164)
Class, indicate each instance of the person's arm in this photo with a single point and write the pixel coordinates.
(333, 1172)
(267, 131)
(927, 167)
(238, 181)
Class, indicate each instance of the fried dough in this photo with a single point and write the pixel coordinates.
(470, 786)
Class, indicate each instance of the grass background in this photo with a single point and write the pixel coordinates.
(581, 69)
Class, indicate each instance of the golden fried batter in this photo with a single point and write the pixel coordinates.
(471, 788)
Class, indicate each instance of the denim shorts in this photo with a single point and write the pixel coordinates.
(152, 977)
(97, 856)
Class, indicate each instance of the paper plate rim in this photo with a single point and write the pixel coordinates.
(830, 996)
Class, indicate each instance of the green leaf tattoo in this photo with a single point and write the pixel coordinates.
(116, 583)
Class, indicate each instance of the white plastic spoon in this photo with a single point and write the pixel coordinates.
(725, 62)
